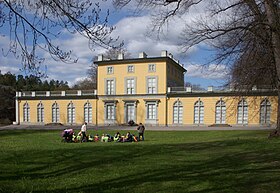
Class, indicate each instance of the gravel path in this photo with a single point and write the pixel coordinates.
(159, 128)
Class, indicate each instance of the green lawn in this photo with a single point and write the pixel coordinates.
(177, 161)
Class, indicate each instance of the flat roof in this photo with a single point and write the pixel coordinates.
(140, 60)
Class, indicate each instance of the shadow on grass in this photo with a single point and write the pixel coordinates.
(15, 133)
(219, 166)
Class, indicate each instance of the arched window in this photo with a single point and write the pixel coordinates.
(265, 112)
(71, 113)
(40, 113)
(26, 112)
(55, 113)
(198, 112)
(242, 112)
(88, 112)
(178, 112)
(220, 112)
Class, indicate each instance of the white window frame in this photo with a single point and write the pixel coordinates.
(178, 112)
(129, 87)
(110, 70)
(130, 68)
(151, 112)
(40, 112)
(265, 112)
(71, 113)
(221, 109)
(130, 103)
(152, 68)
(152, 87)
(110, 110)
(111, 90)
(151, 116)
(26, 112)
(243, 111)
(199, 111)
(88, 112)
(55, 113)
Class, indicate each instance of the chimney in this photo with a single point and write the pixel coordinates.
(254, 87)
(210, 89)
(164, 53)
(120, 56)
(142, 55)
(188, 89)
(100, 57)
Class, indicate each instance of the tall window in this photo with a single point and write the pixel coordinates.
(130, 111)
(55, 113)
(110, 86)
(151, 85)
(178, 112)
(220, 112)
(130, 86)
(151, 111)
(198, 112)
(71, 113)
(242, 112)
(40, 113)
(265, 112)
(110, 112)
(88, 113)
(26, 112)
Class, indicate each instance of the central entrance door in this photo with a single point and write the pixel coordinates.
(130, 113)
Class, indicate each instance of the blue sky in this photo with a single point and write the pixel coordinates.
(135, 31)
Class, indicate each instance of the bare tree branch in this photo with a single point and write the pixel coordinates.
(34, 24)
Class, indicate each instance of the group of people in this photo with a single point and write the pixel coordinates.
(69, 136)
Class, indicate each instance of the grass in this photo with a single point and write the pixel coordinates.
(175, 161)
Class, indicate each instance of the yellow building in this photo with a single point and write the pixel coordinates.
(148, 90)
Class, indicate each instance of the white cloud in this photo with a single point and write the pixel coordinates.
(212, 71)
(134, 32)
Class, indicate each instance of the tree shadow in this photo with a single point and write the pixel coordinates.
(216, 166)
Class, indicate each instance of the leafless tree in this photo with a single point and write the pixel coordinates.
(33, 25)
(244, 33)
(109, 54)
(86, 84)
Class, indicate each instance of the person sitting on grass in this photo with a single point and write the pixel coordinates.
(128, 137)
(117, 136)
(104, 138)
(90, 138)
(96, 138)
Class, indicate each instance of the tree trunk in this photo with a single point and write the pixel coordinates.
(272, 12)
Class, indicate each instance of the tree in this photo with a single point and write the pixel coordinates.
(110, 54)
(33, 24)
(85, 84)
(244, 33)
(10, 83)
(196, 87)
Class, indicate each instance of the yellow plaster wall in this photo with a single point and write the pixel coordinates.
(140, 111)
(231, 109)
(163, 113)
(79, 110)
(140, 73)
(253, 109)
(177, 77)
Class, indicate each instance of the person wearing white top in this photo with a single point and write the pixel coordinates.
(83, 130)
